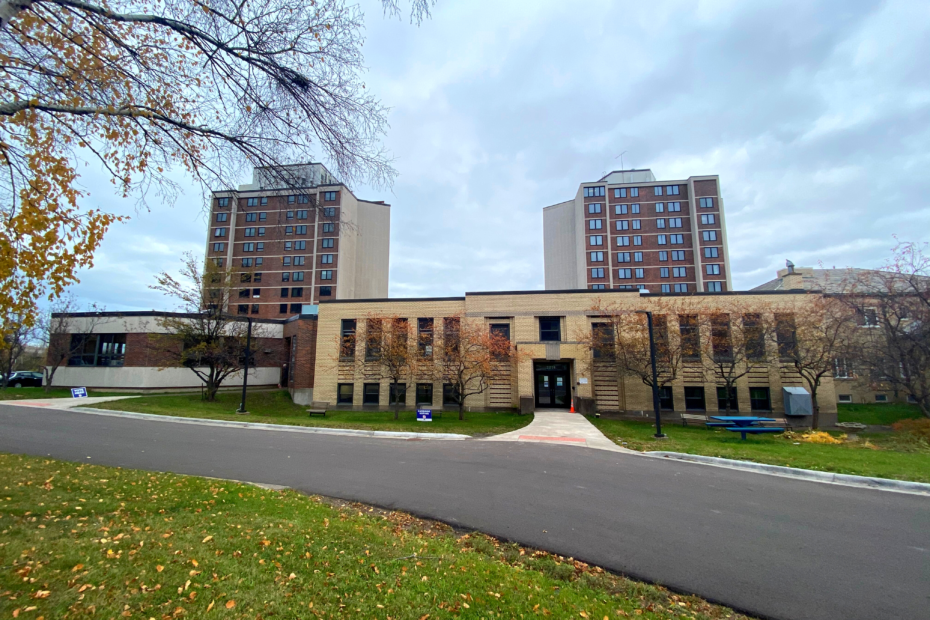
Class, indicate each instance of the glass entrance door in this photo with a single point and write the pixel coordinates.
(552, 386)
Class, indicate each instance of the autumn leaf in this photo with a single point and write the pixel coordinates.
(210, 606)
(159, 568)
(207, 539)
(230, 604)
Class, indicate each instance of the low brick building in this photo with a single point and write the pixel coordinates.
(556, 366)
(125, 351)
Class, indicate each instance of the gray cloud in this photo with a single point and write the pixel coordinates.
(815, 114)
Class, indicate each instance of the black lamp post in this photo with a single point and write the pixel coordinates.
(655, 375)
(245, 369)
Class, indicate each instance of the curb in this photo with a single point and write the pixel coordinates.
(881, 484)
(314, 430)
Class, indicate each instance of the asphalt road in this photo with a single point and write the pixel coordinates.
(768, 546)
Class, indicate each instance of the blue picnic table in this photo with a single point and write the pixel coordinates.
(744, 424)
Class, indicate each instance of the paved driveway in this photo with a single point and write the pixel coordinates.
(770, 546)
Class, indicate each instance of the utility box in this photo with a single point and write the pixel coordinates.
(797, 402)
(527, 405)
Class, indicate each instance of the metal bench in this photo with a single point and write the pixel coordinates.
(696, 417)
(318, 408)
(755, 430)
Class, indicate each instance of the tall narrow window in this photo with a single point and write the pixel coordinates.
(451, 336)
(373, 333)
(425, 337)
(786, 336)
(720, 338)
(348, 339)
(690, 337)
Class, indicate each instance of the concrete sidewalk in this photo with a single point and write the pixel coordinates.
(561, 427)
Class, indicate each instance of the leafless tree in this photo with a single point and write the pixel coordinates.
(18, 333)
(63, 334)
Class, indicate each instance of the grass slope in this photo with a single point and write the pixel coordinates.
(82, 541)
(880, 414)
(276, 407)
(29, 393)
(901, 456)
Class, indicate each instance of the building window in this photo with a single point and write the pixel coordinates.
(623, 224)
(710, 253)
(623, 257)
(288, 230)
(707, 203)
(219, 247)
(677, 239)
(219, 232)
(658, 190)
(844, 398)
(371, 393)
(97, 350)
(623, 241)
(286, 276)
(663, 255)
(634, 192)
(597, 257)
(218, 261)
(302, 214)
(282, 309)
(348, 338)
(679, 272)
(259, 247)
(254, 308)
(290, 215)
(881, 398)
(450, 394)
(637, 224)
(674, 222)
(297, 291)
(593, 191)
(329, 227)
(620, 192)
(344, 394)
(251, 202)
(291, 199)
(299, 260)
(425, 337)
(550, 329)
(637, 239)
(326, 274)
(666, 401)
(723, 401)
(248, 247)
(246, 262)
(261, 232)
(660, 207)
(329, 196)
(841, 368)
(620, 210)
(298, 276)
(596, 240)
(713, 287)
(595, 224)
(597, 272)
(222, 217)
(286, 261)
(672, 190)
(661, 239)
(598, 287)
(785, 335)
(681, 288)
(222, 202)
(301, 230)
(634, 208)
(242, 309)
(397, 394)
(663, 272)
(303, 199)
(326, 259)
(425, 394)
(759, 399)
(299, 245)
(709, 235)
(708, 218)
(868, 317)
(713, 270)
(690, 336)
(660, 223)
(249, 232)
(262, 216)
(694, 398)
(285, 292)
(637, 257)
(624, 274)
(640, 273)
(678, 255)
(327, 243)
(326, 291)
(329, 211)
(666, 288)
(674, 206)
(594, 207)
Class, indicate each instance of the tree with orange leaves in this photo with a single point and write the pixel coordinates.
(145, 88)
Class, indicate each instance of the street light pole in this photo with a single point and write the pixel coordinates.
(655, 375)
(245, 369)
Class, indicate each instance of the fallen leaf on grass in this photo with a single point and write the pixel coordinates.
(159, 568)
(207, 539)
(230, 604)
(210, 606)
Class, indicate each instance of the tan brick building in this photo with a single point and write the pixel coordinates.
(556, 366)
(303, 237)
(630, 231)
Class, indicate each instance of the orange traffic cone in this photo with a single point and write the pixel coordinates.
(572, 410)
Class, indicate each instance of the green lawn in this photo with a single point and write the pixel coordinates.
(275, 407)
(82, 541)
(24, 393)
(879, 413)
(902, 456)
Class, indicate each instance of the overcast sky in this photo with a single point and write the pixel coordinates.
(816, 116)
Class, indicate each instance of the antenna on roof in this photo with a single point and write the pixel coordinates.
(620, 157)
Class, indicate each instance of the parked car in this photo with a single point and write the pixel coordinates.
(25, 378)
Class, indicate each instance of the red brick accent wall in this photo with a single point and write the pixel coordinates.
(302, 335)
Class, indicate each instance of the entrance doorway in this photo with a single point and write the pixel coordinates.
(553, 385)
